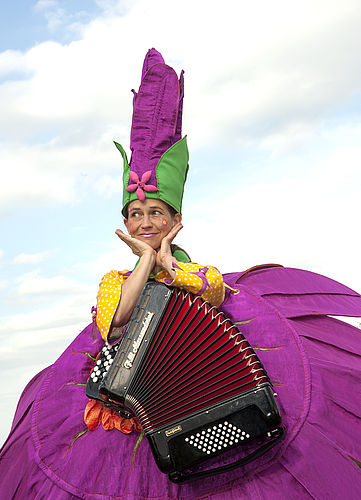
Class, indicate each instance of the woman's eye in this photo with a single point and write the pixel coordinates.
(135, 214)
(156, 212)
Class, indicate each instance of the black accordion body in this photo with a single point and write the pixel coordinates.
(191, 378)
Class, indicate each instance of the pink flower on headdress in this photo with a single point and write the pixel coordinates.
(140, 185)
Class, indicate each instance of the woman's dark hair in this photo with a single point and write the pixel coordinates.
(173, 212)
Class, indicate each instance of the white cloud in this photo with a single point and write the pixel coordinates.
(308, 220)
(33, 284)
(30, 258)
(55, 15)
(45, 174)
(45, 4)
(51, 318)
(13, 61)
(115, 255)
(268, 81)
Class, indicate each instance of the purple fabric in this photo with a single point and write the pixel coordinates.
(296, 292)
(152, 57)
(287, 280)
(157, 115)
(178, 131)
(313, 361)
(202, 275)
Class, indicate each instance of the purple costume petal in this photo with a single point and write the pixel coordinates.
(152, 57)
(314, 362)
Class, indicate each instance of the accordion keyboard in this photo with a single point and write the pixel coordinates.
(103, 363)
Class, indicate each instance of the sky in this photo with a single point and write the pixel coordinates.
(272, 112)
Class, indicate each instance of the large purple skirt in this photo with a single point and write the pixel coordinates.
(314, 363)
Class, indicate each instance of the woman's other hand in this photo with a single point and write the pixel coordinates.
(164, 258)
(133, 286)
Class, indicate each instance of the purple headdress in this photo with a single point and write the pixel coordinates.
(159, 162)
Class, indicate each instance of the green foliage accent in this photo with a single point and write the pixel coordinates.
(75, 383)
(141, 435)
(356, 461)
(85, 354)
(267, 348)
(244, 322)
(80, 434)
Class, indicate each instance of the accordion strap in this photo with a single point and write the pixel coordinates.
(181, 477)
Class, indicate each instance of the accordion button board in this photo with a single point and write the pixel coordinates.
(190, 377)
(103, 363)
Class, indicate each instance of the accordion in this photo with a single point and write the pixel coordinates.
(191, 378)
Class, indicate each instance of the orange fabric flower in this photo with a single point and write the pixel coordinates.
(124, 425)
(96, 412)
(93, 414)
(107, 419)
(137, 425)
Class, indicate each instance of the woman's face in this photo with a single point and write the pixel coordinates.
(150, 221)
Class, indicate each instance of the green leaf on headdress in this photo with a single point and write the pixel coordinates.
(171, 172)
(126, 169)
(122, 152)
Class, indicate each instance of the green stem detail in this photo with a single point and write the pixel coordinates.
(244, 322)
(80, 434)
(356, 461)
(85, 354)
(267, 348)
(141, 435)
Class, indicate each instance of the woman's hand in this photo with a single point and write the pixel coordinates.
(138, 247)
(133, 286)
(164, 258)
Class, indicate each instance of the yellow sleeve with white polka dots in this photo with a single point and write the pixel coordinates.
(205, 281)
(108, 299)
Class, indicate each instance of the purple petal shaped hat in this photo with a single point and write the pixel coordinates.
(159, 163)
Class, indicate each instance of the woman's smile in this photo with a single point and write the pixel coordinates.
(147, 235)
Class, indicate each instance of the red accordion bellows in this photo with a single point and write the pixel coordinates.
(196, 359)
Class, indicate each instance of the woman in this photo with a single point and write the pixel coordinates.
(152, 225)
(313, 361)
